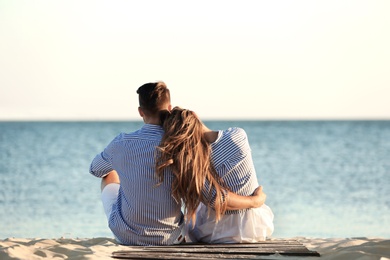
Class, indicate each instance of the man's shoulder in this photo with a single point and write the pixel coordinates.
(140, 134)
(126, 135)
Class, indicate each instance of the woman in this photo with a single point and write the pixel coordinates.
(205, 163)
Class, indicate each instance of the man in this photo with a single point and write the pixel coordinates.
(139, 211)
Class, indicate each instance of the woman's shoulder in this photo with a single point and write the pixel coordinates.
(233, 138)
(235, 132)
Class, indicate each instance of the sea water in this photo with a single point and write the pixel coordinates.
(322, 178)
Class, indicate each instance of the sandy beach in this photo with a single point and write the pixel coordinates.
(102, 248)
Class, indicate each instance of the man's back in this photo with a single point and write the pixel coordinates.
(145, 212)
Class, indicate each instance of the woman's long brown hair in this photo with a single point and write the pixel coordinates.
(186, 152)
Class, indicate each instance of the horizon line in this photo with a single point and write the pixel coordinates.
(205, 119)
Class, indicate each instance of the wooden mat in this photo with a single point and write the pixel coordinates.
(217, 251)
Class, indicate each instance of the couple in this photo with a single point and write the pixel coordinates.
(175, 159)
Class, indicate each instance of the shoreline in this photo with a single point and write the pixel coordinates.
(102, 248)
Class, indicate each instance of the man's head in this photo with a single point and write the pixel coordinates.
(153, 98)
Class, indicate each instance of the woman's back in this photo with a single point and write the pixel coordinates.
(232, 160)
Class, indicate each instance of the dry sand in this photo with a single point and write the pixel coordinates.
(101, 248)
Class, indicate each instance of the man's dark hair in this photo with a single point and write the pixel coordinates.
(153, 97)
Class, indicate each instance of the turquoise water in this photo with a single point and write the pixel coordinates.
(322, 178)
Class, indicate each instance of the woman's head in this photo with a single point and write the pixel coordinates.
(181, 123)
(186, 152)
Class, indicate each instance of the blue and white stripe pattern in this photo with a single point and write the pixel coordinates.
(145, 214)
(232, 159)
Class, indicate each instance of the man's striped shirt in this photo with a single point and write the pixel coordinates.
(145, 214)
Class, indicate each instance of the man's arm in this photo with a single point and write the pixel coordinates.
(236, 202)
(101, 165)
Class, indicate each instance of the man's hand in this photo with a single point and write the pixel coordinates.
(236, 202)
(259, 197)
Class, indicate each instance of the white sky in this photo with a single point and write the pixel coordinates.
(223, 59)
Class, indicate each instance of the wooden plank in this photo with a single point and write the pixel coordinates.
(217, 251)
(221, 250)
(181, 256)
(265, 243)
